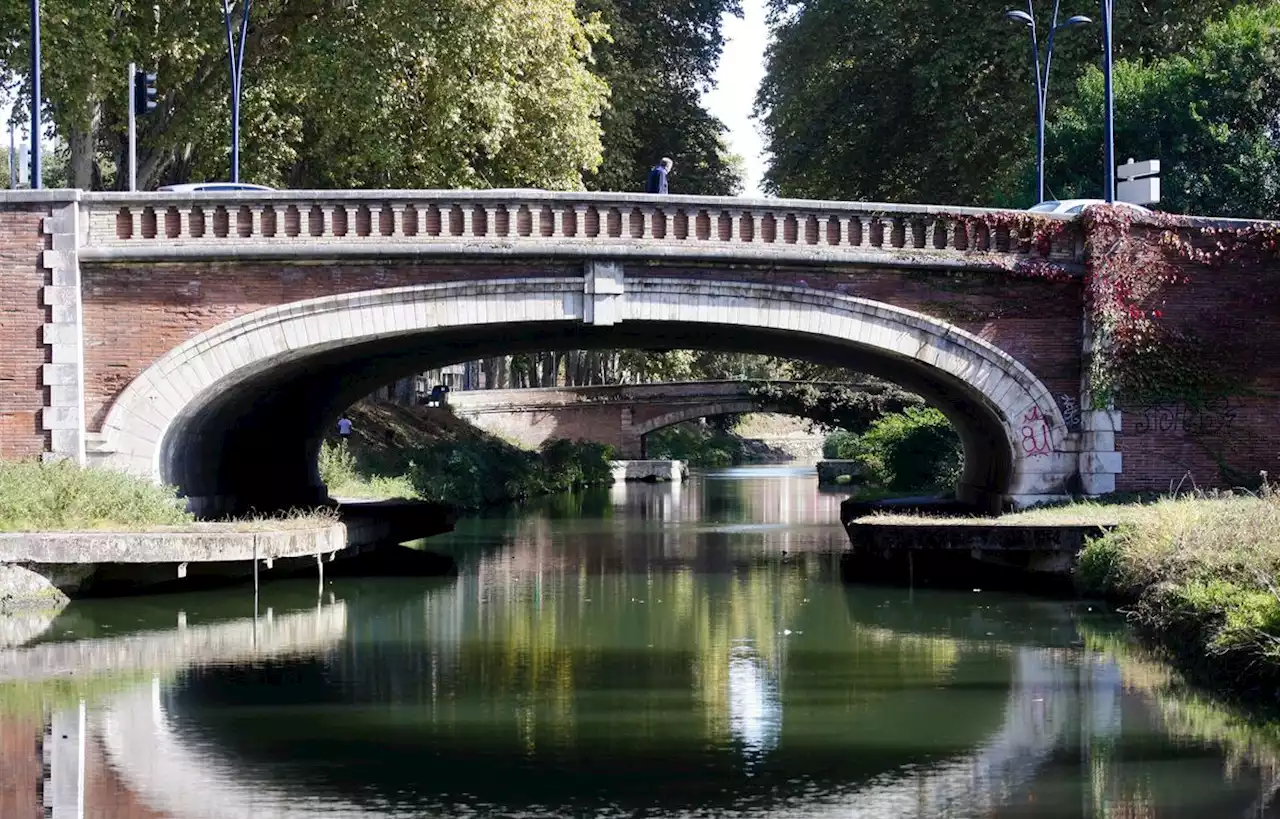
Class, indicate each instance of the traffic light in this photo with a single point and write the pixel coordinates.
(144, 92)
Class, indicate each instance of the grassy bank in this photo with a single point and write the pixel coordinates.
(63, 497)
(427, 454)
(1197, 575)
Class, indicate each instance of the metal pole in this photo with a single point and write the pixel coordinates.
(236, 58)
(13, 160)
(1108, 127)
(36, 182)
(133, 129)
(1035, 62)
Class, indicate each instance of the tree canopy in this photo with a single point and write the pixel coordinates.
(377, 92)
(901, 100)
(1211, 115)
(658, 59)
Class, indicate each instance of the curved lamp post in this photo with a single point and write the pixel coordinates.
(1042, 73)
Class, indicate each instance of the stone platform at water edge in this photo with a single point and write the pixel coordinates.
(44, 569)
(965, 552)
(650, 470)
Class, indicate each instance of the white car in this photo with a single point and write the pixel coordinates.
(1073, 206)
(207, 187)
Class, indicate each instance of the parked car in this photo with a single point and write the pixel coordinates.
(206, 187)
(1073, 206)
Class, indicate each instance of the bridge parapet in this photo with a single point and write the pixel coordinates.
(534, 222)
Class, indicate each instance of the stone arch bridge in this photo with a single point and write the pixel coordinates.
(209, 340)
(618, 415)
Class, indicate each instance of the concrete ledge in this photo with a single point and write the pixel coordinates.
(981, 555)
(209, 542)
(649, 470)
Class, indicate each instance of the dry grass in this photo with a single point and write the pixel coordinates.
(1201, 574)
(63, 497)
(1086, 513)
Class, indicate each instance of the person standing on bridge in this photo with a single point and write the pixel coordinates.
(657, 182)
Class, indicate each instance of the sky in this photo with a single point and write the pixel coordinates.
(737, 78)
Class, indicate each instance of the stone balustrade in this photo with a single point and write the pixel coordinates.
(536, 221)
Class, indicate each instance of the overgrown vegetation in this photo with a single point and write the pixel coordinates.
(428, 454)
(699, 445)
(1200, 575)
(910, 451)
(37, 496)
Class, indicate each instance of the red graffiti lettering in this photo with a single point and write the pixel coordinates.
(1036, 440)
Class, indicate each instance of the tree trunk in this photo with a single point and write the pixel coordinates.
(80, 145)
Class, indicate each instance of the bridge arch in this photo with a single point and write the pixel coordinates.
(235, 415)
(733, 406)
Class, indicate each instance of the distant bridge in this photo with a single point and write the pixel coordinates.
(620, 416)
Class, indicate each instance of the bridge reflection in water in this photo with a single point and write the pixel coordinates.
(641, 656)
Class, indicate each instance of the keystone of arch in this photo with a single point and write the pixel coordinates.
(216, 360)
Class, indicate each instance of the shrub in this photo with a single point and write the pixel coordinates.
(37, 496)
(912, 450)
(474, 473)
(696, 444)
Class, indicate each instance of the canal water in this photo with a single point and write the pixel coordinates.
(658, 651)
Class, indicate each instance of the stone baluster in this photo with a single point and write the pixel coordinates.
(735, 226)
(375, 221)
(184, 222)
(468, 214)
(580, 221)
(255, 221)
(557, 222)
(909, 231)
(397, 220)
(844, 226)
(326, 226)
(491, 221)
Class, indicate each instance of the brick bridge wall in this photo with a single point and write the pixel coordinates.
(135, 311)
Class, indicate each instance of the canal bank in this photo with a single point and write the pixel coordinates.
(655, 650)
(1196, 574)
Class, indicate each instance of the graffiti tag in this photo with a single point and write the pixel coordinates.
(1070, 411)
(1036, 440)
(1215, 418)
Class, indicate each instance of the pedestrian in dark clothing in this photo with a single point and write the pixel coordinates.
(657, 182)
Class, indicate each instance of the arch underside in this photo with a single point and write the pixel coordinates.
(249, 437)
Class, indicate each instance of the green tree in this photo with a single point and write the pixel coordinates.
(1210, 115)
(908, 451)
(379, 93)
(658, 59)
(902, 100)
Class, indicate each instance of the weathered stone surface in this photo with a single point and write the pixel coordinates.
(211, 543)
(28, 601)
(652, 470)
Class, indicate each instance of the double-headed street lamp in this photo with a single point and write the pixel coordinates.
(1028, 19)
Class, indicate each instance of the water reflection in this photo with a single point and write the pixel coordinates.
(656, 651)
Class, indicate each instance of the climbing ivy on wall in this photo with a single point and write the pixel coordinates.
(1138, 358)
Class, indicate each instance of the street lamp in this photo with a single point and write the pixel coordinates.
(236, 58)
(1028, 19)
(1109, 107)
(36, 181)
